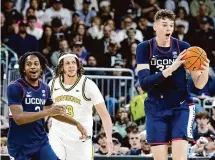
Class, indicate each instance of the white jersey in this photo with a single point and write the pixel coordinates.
(79, 100)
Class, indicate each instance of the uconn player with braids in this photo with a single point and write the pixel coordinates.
(80, 95)
(27, 99)
(169, 108)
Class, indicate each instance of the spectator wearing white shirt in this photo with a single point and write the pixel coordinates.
(181, 19)
(122, 34)
(57, 11)
(32, 29)
(171, 5)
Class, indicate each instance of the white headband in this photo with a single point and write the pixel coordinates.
(65, 56)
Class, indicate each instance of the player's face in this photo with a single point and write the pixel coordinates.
(164, 28)
(32, 68)
(70, 67)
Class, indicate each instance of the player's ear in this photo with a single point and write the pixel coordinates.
(155, 26)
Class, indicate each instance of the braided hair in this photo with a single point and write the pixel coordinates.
(42, 59)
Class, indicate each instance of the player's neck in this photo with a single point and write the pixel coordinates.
(162, 43)
(32, 83)
(70, 80)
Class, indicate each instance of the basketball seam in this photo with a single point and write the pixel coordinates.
(197, 53)
(196, 60)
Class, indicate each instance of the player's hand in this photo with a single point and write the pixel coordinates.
(205, 66)
(83, 131)
(178, 62)
(110, 147)
(56, 110)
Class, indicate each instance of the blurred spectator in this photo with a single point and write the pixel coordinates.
(37, 6)
(45, 41)
(122, 34)
(147, 31)
(102, 141)
(23, 42)
(122, 122)
(208, 90)
(195, 5)
(196, 21)
(4, 126)
(126, 45)
(180, 32)
(181, 19)
(63, 47)
(9, 30)
(2, 19)
(10, 12)
(58, 33)
(202, 129)
(57, 11)
(204, 37)
(70, 31)
(116, 147)
(92, 62)
(93, 5)
(96, 29)
(31, 29)
(134, 141)
(112, 56)
(4, 145)
(132, 64)
(137, 105)
(31, 12)
(105, 11)
(173, 5)
(120, 8)
(86, 14)
(145, 147)
(77, 48)
(48, 124)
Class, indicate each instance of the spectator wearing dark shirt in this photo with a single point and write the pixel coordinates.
(23, 42)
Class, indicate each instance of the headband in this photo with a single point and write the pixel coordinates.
(67, 55)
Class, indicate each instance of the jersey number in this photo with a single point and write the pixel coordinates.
(162, 67)
(37, 108)
(69, 111)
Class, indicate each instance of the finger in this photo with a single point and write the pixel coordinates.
(182, 53)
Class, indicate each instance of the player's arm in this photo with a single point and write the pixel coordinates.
(14, 95)
(97, 99)
(147, 81)
(200, 78)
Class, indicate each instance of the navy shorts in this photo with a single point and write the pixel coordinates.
(165, 123)
(43, 153)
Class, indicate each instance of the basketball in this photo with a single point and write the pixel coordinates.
(194, 58)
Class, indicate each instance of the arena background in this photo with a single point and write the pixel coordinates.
(104, 34)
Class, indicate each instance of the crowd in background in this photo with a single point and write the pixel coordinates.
(105, 33)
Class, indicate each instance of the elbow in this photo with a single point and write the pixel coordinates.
(18, 120)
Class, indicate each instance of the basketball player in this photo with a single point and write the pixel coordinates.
(169, 110)
(27, 98)
(80, 94)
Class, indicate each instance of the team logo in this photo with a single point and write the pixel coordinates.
(28, 94)
(175, 54)
(43, 93)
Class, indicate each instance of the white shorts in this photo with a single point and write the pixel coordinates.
(67, 149)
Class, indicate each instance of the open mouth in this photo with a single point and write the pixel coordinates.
(33, 72)
(168, 34)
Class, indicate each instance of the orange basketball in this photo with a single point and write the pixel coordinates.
(194, 58)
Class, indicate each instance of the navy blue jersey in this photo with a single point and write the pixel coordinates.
(174, 88)
(31, 135)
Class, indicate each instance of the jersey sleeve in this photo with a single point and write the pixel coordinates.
(92, 92)
(14, 94)
(143, 53)
(49, 100)
(183, 45)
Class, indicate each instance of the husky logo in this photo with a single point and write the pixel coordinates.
(43, 93)
(28, 94)
(175, 55)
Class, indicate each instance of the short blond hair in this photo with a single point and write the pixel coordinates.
(164, 13)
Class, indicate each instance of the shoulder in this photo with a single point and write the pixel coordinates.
(144, 44)
(183, 45)
(14, 85)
